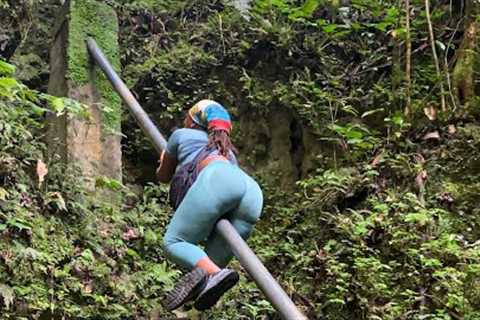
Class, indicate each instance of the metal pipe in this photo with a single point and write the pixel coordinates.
(140, 115)
(270, 287)
(276, 295)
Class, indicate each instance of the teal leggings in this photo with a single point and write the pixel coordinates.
(221, 190)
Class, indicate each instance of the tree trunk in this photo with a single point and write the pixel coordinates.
(463, 80)
(408, 60)
(435, 56)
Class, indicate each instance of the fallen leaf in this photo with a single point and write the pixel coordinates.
(25, 200)
(432, 136)
(421, 178)
(130, 234)
(419, 158)
(105, 230)
(430, 112)
(87, 286)
(451, 129)
(180, 314)
(41, 171)
(77, 251)
(446, 197)
(376, 159)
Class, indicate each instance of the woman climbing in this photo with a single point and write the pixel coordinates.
(206, 185)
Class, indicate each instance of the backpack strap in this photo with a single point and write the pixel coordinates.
(184, 177)
(203, 163)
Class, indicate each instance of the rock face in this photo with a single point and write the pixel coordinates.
(94, 143)
(277, 144)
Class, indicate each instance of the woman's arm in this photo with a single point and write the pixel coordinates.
(166, 168)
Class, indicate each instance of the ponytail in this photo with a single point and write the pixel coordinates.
(220, 140)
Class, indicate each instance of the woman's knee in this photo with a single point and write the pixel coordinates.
(171, 248)
(252, 203)
(168, 240)
(244, 228)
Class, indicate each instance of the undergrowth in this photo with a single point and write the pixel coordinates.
(64, 253)
(385, 227)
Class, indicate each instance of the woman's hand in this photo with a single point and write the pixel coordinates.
(166, 167)
(160, 160)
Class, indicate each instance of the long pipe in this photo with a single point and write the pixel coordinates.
(270, 287)
(140, 115)
(275, 294)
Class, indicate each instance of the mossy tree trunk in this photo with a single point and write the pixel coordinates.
(467, 64)
(92, 144)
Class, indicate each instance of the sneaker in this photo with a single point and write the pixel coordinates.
(186, 289)
(217, 284)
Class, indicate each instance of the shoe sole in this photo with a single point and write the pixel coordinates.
(186, 289)
(210, 297)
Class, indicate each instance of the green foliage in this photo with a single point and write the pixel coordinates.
(384, 256)
(25, 38)
(386, 228)
(63, 253)
(6, 69)
(357, 136)
(362, 236)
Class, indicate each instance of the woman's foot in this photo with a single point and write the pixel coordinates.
(216, 285)
(186, 289)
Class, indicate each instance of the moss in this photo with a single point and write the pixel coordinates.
(89, 18)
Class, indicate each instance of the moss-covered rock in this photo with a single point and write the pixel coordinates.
(95, 19)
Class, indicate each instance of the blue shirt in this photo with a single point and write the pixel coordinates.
(185, 144)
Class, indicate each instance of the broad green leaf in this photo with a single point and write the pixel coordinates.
(38, 110)
(6, 68)
(309, 7)
(304, 11)
(330, 28)
(361, 228)
(57, 104)
(87, 255)
(420, 218)
(19, 223)
(132, 253)
(3, 194)
(108, 183)
(8, 83)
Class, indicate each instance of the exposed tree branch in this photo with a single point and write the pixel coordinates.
(446, 67)
(408, 60)
(435, 56)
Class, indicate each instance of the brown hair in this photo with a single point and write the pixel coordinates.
(220, 140)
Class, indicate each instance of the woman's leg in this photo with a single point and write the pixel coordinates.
(191, 223)
(215, 192)
(243, 219)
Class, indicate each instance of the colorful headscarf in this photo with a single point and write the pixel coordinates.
(210, 115)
